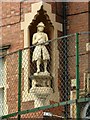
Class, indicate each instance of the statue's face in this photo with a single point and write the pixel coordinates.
(40, 28)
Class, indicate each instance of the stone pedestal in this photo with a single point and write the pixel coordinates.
(41, 89)
(41, 95)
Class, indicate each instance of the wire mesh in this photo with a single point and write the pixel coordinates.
(84, 65)
(51, 86)
(49, 80)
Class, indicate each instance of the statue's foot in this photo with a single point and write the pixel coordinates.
(38, 71)
(46, 72)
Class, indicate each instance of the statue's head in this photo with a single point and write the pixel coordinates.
(40, 26)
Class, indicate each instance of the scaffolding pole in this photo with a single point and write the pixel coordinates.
(77, 77)
(19, 81)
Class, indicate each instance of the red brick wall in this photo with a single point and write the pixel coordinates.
(77, 17)
(78, 21)
(12, 34)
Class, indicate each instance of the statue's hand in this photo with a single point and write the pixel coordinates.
(46, 43)
(41, 41)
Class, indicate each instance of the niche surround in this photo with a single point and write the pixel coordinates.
(29, 18)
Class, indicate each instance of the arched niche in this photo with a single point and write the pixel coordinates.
(29, 28)
(41, 16)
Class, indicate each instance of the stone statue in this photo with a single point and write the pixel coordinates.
(40, 51)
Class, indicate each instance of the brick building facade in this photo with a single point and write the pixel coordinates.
(67, 18)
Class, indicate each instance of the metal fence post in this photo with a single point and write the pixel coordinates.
(19, 81)
(77, 76)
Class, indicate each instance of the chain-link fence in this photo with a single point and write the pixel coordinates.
(48, 80)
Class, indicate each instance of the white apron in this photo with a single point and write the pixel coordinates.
(40, 51)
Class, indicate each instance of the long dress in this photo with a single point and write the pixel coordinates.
(40, 51)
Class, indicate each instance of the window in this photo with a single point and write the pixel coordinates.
(1, 101)
(3, 105)
(1, 86)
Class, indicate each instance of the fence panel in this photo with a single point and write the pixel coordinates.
(49, 79)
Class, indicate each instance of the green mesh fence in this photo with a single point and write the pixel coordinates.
(57, 86)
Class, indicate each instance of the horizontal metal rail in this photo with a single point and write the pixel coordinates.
(62, 37)
(47, 107)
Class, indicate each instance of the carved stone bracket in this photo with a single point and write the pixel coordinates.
(41, 80)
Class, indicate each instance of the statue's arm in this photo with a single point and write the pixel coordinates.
(46, 37)
(34, 41)
(46, 40)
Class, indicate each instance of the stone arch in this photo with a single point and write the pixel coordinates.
(42, 16)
